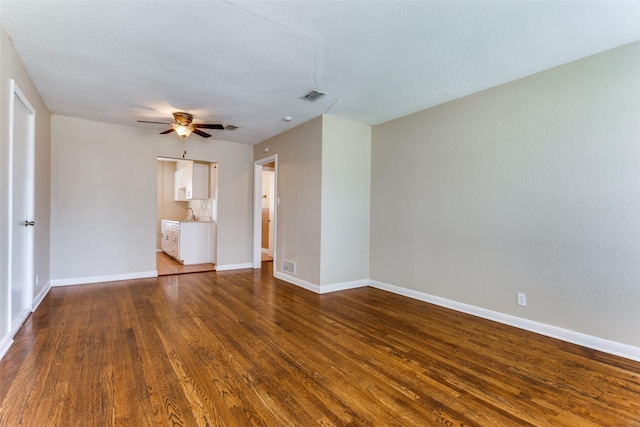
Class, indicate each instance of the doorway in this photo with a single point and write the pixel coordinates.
(268, 207)
(265, 210)
(187, 215)
(21, 185)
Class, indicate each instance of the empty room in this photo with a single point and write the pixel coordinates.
(298, 213)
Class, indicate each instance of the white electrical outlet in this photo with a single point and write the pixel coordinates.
(522, 299)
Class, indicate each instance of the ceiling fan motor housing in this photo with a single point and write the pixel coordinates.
(183, 118)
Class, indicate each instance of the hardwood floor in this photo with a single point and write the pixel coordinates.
(167, 266)
(239, 348)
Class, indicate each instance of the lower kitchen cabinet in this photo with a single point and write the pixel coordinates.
(188, 242)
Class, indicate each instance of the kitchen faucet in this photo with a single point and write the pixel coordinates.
(192, 217)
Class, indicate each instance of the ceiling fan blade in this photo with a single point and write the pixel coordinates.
(202, 134)
(207, 126)
(167, 131)
(160, 123)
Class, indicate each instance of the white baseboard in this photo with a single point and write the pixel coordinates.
(324, 289)
(38, 298)
(107, 278)
(595, 343)
(7, 340)
(298, 282)
(5, 343)
(234, 266)
(19, 321)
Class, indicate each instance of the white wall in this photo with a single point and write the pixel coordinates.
(346, 191)
(299, 172)
(12, 68)
(103, 218)
(532, 186)
(323, 176)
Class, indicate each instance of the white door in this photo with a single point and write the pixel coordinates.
(22, 209)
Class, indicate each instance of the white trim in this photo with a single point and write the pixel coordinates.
(5, 344)
(298, 282)
(38, 299)
(19, 322)
(320, 289)
(100, 279)
(595, 343)
(234, 266)
(9, 273)
(325, 289)
(257, 210)
(15, 92)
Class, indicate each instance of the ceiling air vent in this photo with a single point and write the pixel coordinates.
(314, 95)
(231, 127)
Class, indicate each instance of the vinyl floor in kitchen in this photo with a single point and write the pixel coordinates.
(167, 266)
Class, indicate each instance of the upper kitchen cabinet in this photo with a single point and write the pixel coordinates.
(191, 181)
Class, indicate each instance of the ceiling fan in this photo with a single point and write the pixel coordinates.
(183, 125)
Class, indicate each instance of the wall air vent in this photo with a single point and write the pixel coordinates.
(289, 267)
(314, 95)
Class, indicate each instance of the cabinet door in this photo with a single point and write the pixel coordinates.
(162, 230)
(165, 236)
(191, 182)
(175, 240)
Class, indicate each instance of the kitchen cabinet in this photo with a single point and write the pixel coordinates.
(169, 233)
(188, 242)
(191, 182)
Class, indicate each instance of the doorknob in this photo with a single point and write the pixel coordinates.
(29, 223)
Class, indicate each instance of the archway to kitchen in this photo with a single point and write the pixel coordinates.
(186, 220)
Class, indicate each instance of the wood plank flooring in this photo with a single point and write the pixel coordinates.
(239, 348)
(167, 266)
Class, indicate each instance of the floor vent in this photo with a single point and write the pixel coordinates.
(289, 267)
(314, 95)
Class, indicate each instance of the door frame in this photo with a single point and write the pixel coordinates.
(213, 197)
(272, 206)
(257, 210)
(15, 92)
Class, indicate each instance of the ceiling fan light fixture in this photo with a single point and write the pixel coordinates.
(183, 130)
